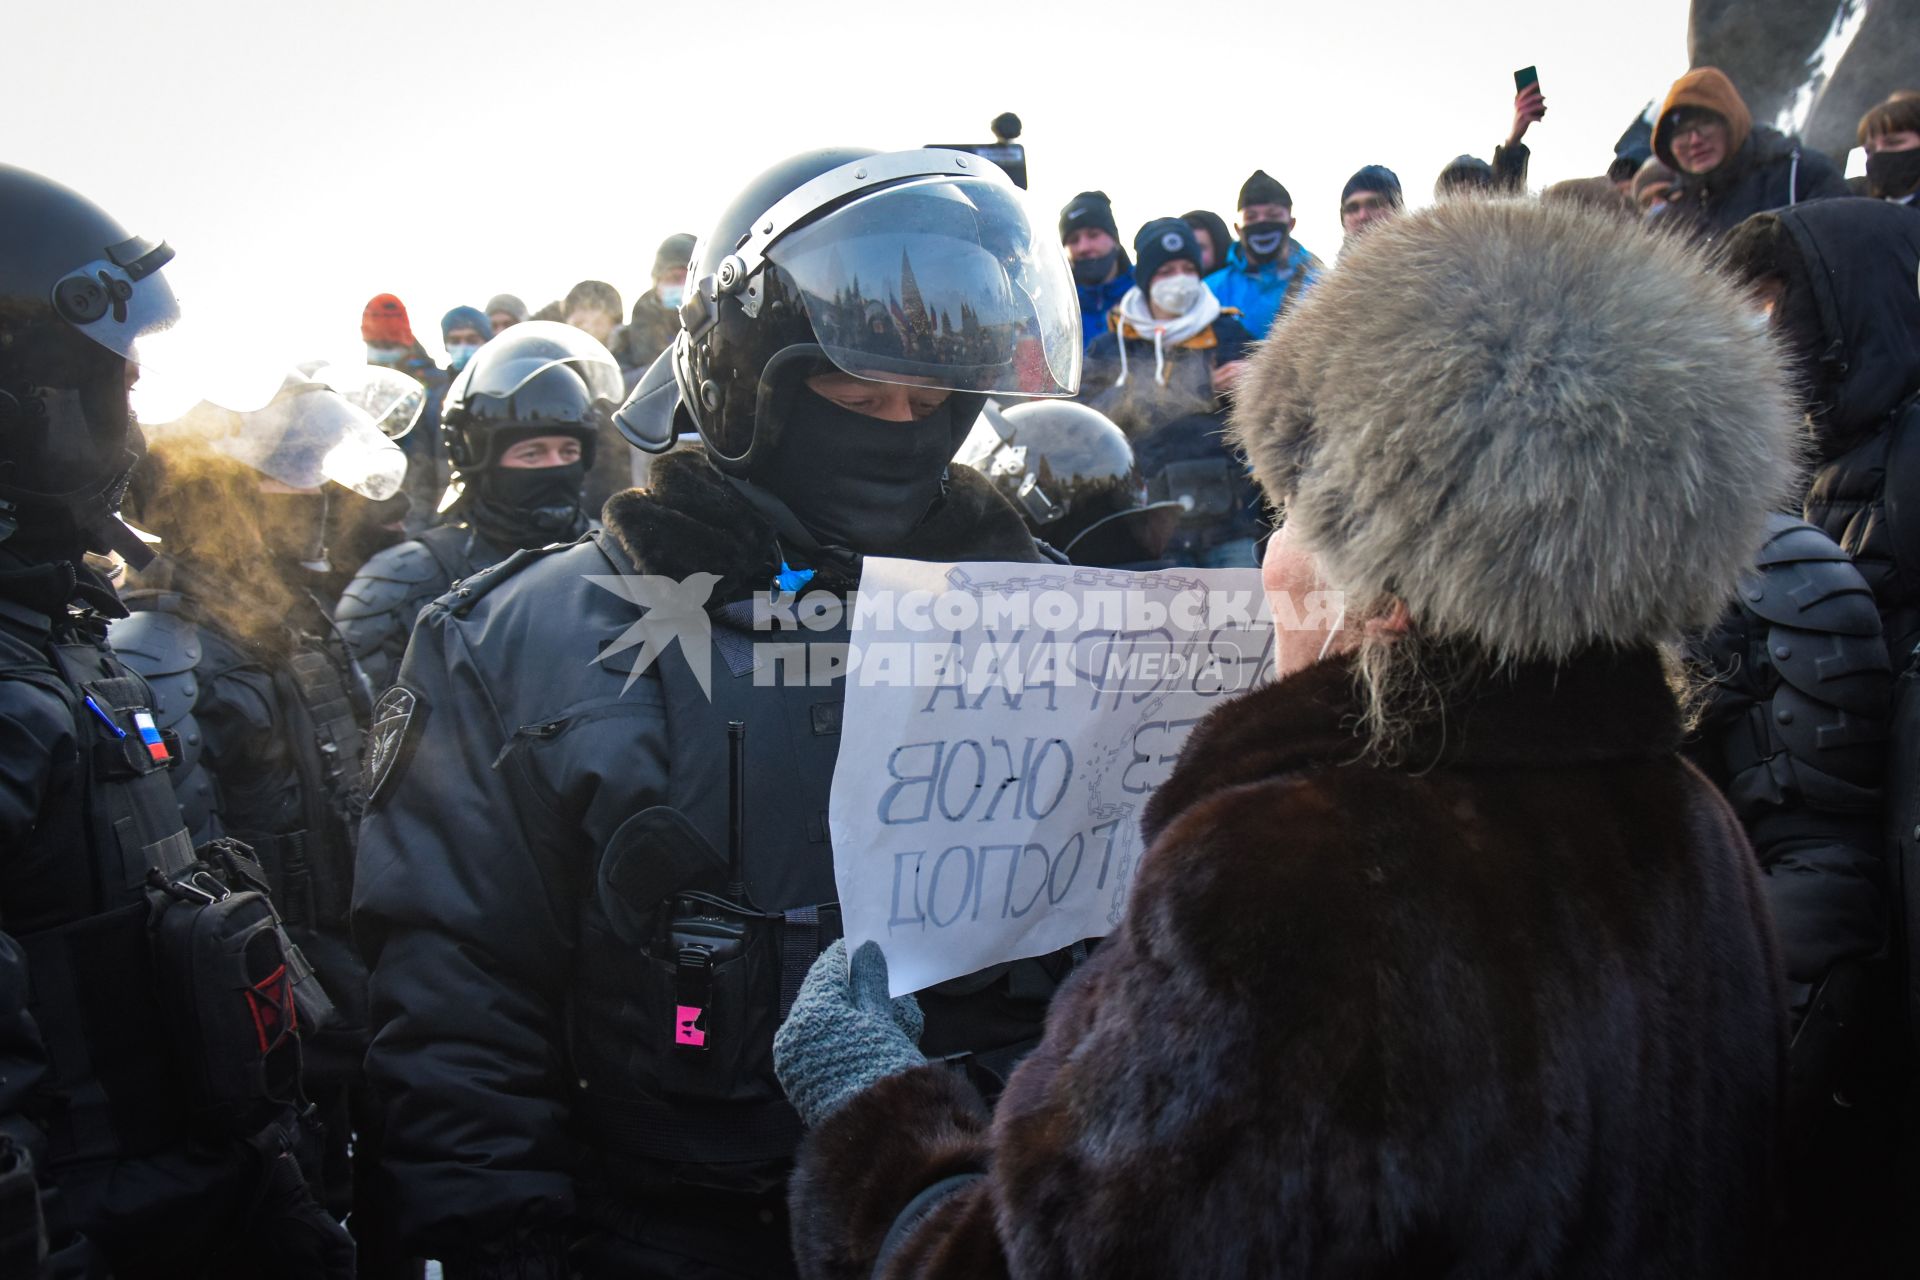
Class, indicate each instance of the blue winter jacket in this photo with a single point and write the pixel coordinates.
(1261, 293)
(1096, 300)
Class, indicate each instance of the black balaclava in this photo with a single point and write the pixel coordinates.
(530, 506)
(854, 481)
(68, 445)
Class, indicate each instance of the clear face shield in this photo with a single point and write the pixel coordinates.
(938, 281)
(392, 399)
(304, 437)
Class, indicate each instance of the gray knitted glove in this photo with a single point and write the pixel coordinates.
(844, 1033)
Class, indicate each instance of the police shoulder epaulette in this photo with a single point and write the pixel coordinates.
(466, 593)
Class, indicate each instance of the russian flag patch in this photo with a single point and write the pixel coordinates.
(150, 734)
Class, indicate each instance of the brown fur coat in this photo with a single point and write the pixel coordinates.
(1512, 1013)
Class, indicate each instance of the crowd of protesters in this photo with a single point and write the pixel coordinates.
(1168, 314)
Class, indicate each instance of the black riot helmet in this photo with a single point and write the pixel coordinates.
(914, 267)
(539, 378)
(1071, 474)
(76, 294)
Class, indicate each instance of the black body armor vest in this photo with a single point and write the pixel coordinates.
(164, 988)
(301, 824)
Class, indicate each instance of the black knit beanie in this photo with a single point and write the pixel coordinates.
(1088, 209)
(1263, 188)
(1160, 242)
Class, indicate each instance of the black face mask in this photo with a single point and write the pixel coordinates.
(530, 506)
(1091, 271)
(1264, 241)
(1892, 174)
(854, 481)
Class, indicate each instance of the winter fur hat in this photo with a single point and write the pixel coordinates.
(1536, 425)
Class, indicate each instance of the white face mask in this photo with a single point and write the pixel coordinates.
(1176, 293)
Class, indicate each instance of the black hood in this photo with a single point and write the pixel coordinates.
(1862, 260)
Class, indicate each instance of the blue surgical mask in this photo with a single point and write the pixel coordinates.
(671, 295)
(386, 355)
(461, 352)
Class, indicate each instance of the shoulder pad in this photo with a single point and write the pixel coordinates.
(410, 562)
(1806, 581)
(1845, 671)
(1790, 539)
(385, 599)
(471, 589)
(167, 650)
(157, 643)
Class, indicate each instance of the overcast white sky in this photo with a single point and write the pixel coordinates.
(303, 157)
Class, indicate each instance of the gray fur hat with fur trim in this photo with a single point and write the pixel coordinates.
(1539, 426)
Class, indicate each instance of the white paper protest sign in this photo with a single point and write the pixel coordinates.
(1003, 728)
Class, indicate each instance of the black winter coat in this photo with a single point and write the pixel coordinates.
(513, 1011)
(1770, 171)
(1862, 258)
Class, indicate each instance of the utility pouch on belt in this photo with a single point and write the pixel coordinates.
(231, 983)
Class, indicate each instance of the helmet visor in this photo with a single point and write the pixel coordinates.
(506, 363)
(306, 436)
(939, 282)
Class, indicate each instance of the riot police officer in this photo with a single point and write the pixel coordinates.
(1071, 473)
(230, 631)
(539, 893)
(163, 1116)
(521, 425)
(1794, 729)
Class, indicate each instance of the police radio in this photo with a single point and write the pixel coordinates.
(664, 887)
